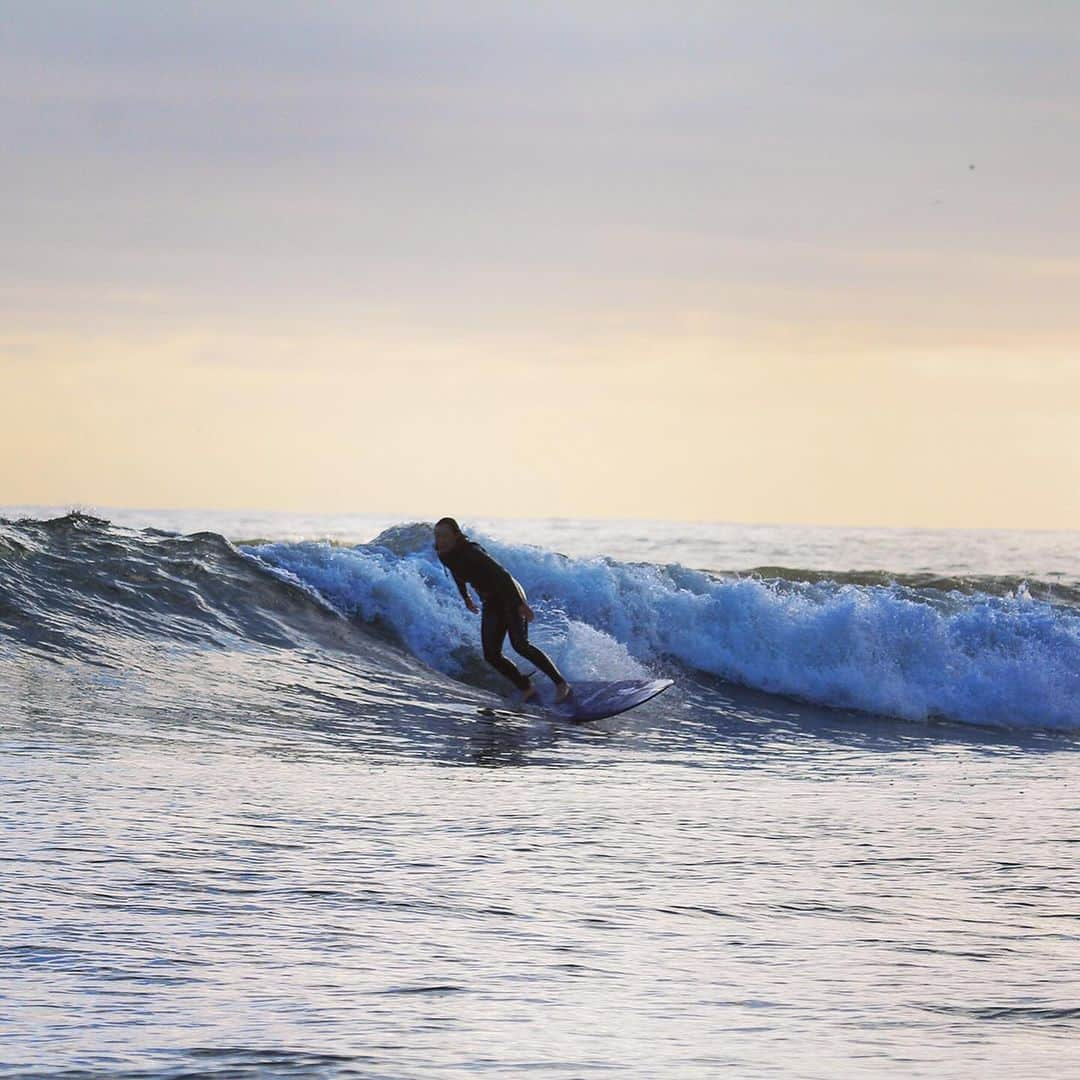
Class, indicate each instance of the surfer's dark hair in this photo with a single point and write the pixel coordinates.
(452, 523)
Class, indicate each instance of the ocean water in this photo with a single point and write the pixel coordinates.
(254, 823)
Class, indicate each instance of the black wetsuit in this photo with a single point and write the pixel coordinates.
(502, 599)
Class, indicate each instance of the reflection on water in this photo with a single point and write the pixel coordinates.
(298, 901)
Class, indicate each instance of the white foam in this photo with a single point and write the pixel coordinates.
(1011, 661)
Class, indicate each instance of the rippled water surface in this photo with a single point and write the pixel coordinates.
(247, 835)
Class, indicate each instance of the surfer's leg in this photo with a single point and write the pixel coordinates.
(492, 634)
(519, 639)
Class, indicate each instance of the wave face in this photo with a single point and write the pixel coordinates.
(76, 589)
(939, 649)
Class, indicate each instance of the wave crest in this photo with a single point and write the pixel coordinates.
(910, 652)
(77, 587)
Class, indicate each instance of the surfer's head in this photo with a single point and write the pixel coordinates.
(448, 534)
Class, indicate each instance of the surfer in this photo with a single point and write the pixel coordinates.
(505, 608)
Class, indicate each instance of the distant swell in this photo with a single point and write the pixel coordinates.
(76, 587)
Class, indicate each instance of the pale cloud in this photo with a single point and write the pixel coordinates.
(757, 221)
(18, 351)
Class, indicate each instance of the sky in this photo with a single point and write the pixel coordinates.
(788, 262)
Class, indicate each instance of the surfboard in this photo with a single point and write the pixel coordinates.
(597, 700)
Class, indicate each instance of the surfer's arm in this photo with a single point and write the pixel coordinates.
(463, 588)
(459, 580)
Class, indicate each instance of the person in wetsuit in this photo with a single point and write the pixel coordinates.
(505, 609)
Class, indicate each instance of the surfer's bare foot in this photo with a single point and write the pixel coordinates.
(528, 693)
(562, 692)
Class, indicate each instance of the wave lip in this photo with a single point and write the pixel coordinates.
(77, 586)
(915, 652)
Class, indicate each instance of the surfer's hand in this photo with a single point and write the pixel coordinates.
(471, 605)
(526, 612)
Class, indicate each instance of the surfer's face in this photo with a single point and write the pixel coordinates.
(445, 538)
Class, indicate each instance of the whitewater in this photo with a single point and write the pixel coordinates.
(255, 822)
